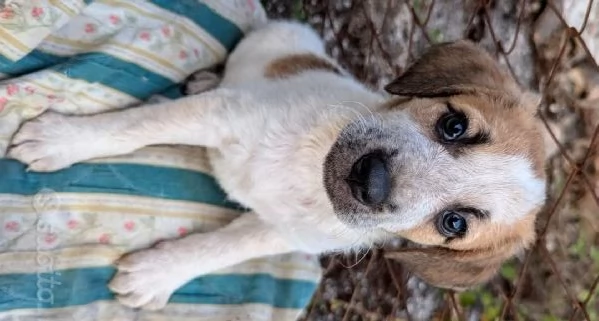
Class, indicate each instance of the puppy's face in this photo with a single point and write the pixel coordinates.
(456, 164)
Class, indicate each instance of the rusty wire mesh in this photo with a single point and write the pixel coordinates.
(558, 278)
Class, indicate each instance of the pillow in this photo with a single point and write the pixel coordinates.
(60, 232)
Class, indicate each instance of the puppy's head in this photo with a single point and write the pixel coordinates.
(455, 163)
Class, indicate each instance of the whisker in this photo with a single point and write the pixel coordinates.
(375, 117)
(361, 119)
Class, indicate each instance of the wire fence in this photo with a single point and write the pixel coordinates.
(558, 278)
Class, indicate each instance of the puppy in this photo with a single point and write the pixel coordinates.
(454, 162)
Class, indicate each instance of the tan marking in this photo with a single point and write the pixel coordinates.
(473, 81)
(513, 129)
(482, 235)
(296, 64)
(467, 261)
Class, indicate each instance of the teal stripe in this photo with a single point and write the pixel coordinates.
(93, 67)
(125, 179)
(33, 61)
(112, 72)
(223, 30)
(74, 287)
(173, 92)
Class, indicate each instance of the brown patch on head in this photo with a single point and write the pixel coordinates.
(470, 80)
(467, 261)
(292, 65)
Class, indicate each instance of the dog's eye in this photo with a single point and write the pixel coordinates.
(452, 224)
(452, 126)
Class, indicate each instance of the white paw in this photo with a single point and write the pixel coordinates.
(146, 279)
(52, 142)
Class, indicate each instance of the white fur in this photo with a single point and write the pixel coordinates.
(268, 140)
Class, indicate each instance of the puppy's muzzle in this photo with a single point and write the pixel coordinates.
(369, 179)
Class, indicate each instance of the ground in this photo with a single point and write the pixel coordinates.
(556, 280)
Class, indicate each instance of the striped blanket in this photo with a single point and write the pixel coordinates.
(60, 232)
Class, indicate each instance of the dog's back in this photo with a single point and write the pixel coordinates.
(268, 43)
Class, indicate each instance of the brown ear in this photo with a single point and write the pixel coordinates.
(449, 69)
(447, 268)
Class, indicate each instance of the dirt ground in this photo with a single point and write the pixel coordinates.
(557, 279)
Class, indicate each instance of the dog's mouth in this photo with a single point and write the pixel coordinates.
(369, 179)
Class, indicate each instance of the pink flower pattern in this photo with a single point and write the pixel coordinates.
(182, 231)
(90, 28)
(145, 36)
(30, 90)
(183, 55)
(12, 89)
(166, 31)
(72, 224)
(129, 226)
(3, 102)
(251, 5)
(104, 238)
(37, 12)
(50, 238)
(7, 13)
(12, 226)
(114, 19)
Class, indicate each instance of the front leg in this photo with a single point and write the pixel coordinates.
(54, 141)
(148, 278)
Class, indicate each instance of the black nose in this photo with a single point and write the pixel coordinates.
(369, 179)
